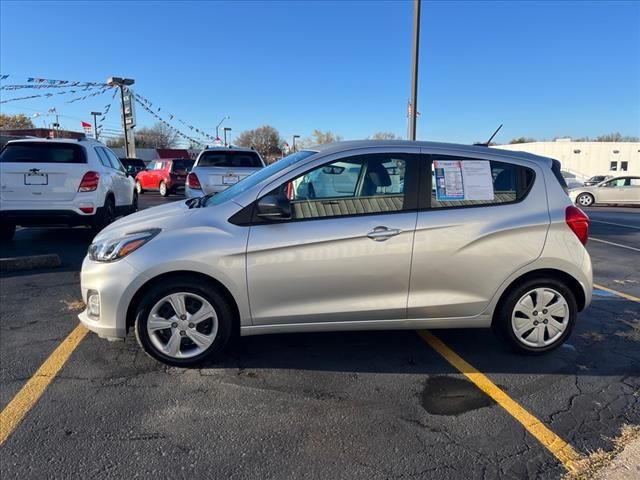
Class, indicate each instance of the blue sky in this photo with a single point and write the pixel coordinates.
(542, 68)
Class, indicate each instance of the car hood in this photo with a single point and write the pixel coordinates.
(166, 217)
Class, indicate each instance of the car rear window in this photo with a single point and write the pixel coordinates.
(182, 165)
(42, 152)
(134, 162)
(229, 159)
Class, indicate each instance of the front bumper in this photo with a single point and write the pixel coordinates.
(116, 283)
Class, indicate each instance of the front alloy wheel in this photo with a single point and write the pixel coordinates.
(183, 323)
(585, 200)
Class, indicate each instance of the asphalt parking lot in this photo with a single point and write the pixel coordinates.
(330, 405)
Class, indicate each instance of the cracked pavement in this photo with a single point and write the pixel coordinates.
(372, 405)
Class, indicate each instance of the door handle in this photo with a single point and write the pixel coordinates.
(380, 234)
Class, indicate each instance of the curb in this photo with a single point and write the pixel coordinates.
(16, 264)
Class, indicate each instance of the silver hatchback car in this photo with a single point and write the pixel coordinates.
(350, 236)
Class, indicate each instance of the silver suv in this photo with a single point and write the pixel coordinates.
(350, 236)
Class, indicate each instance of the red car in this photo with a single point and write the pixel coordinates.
(165, 175)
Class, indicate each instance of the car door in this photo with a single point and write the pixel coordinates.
(611, 191)
(633, 190)
(122, 189)
(345, 254)
(479, 221)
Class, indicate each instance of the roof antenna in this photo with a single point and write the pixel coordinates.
(488, 142)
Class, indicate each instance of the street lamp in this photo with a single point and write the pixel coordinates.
(293, 146)
(218, 126)
(413, 114)
(226, 129)
(95, 123)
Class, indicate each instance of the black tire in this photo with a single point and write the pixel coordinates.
(502, 320)
(134, 203)
(106, 216)
(185, 284)
(164, 191)
(585, 200)
(7, 231)
(139, 188)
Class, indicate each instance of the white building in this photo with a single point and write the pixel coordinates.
(586, 159)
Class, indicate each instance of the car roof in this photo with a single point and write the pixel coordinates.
(448, 148)
(55, 140)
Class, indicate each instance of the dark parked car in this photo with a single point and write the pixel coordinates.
(596, 180)
(164, 175)
(133, 166)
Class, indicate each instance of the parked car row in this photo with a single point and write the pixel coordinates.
(623, 190)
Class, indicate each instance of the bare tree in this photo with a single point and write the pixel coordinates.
(522, 140)
(115, 142)
(319, 137)
(266, 140)
(384, 136)
(18, 121)
(158, 136)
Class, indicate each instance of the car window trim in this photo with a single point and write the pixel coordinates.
(247, 216)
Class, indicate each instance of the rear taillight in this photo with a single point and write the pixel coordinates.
(193, 182)
(89, 182)
(578, 221)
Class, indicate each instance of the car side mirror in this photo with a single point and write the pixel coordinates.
(274, 207)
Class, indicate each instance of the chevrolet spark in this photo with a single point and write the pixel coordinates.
(365, 235)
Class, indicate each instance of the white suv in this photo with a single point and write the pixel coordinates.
(62, 182)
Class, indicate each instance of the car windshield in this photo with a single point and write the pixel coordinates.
(260, 175)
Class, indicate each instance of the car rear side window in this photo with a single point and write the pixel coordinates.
(466, 182)
(229, 159)
(42, 152)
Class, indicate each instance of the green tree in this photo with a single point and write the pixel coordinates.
(19, 121)
(266, 140)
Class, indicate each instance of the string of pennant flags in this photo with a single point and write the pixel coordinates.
(105, 111)
(48, 82)
(148, 106)
(64, 92)
(163, 121)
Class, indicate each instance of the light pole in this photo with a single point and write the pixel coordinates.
(293, 145)
(123, 82)
(226, 129)
(218, 126)
(95, 123)
(413, 114)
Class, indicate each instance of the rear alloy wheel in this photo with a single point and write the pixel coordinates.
(183, 323)
(139, 188)
(7, 231)
(585, 200)
(538, 316)
(164, 191)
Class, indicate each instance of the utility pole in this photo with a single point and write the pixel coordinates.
(293, 146)
(95, 123)
(128, 118)
(413, 114)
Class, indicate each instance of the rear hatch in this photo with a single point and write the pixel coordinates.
(41, 171)
(221, 169)
(179, 171)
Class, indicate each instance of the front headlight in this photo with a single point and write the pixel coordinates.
(114, 249)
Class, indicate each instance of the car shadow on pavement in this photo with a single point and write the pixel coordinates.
(605, 342)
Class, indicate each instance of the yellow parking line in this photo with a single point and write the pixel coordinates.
(29, 395)
(552, 442)
(621, 294)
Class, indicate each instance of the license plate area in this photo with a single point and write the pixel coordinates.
(230, 179)
(36, 179)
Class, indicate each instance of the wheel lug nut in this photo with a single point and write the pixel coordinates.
(544, 311)
(536, 322)
(535, 313)
(174, 325)
(546, 321)
(191, 325)
(182, 333)
(183, 317)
